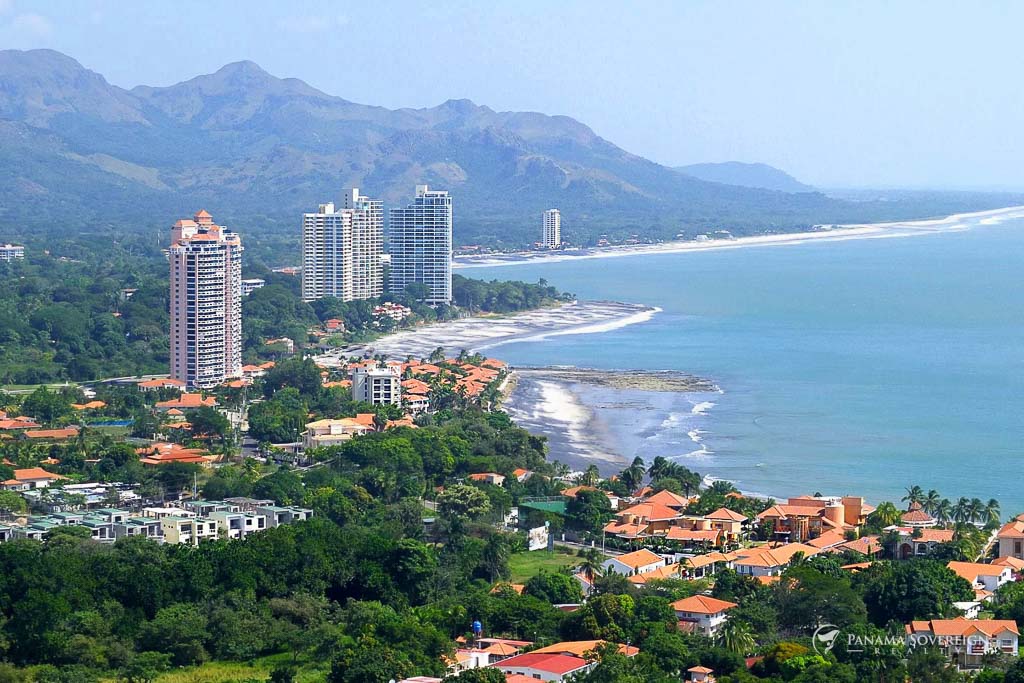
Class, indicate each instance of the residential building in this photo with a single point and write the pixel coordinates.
(806, 517)
(421, 245)
(552, 229)
(276, 516)
(31, 478)
(984, 578)
(964, 641)
(188, 530)
(251, 285)
(707, 614)
(919, 542)
(765, 560)
(377, 385)
(545, 667)
(636, 562)
(1011, 538)
(9, 252)
(700, 674)
(492, 478)
(342, 247)
(206, 302)
(324, 433)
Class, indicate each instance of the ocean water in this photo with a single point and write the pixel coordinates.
(849, 367)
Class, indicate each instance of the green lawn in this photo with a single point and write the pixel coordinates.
(527, 564)
(232, 672)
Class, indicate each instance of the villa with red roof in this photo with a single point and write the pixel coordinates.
(1011, 538)
(707, 614)
(31, 478)
(636, 562)
(806, 517)
(964, 641)
(163, 453)
(188, 402)
(766, 560)
(916, 518)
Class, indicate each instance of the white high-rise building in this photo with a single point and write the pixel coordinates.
(421, 245)
(377, 385)
(552, 228)
(342, 248)
(206, 302)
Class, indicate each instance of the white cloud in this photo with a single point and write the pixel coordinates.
(34, 24)
(311, 23)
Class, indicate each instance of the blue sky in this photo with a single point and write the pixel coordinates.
(882, 94)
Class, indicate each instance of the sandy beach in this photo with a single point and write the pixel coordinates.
(960, 221)
(480, 333)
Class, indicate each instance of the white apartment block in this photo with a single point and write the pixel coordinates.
(342, 246)
(9, 252)
(251, 285)
(421, 245)
(552, 229)
(206, 302)
(377, 385)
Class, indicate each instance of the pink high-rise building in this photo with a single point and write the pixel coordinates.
(206, 302)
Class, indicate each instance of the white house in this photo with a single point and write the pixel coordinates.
(985, 577)
(766, 561)
(707, 614)
(544, 666)
(636, 562)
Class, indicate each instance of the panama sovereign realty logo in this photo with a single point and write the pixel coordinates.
(824, 638)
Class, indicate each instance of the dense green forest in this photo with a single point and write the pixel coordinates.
(76, 309)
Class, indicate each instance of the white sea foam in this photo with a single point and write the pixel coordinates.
(702, 453)
(595, 328)
(672, 420)
(702, 408)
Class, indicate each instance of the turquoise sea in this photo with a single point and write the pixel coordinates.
(858, 366)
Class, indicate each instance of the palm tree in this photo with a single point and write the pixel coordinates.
(591, 475)
(915, 494)
(976, 510)
(736, 636)
(961, 511)
(660, 468)
(992, 513)
(931, 501)
(886, 514)
(944, 511)
(591, 567)
(633, 475)
(722, 487)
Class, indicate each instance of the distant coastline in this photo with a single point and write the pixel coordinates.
(825, 233)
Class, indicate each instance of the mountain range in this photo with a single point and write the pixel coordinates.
(738, 173)
(79, 154)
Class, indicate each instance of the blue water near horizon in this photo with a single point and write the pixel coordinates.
(858, 366)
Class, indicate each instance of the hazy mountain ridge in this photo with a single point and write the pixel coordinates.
(256, 150)
(742, 174)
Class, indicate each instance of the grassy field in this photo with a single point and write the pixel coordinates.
(236, 672)
(526, 564)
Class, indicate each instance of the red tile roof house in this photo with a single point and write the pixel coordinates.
(488, 478)
(985, 577)
(706, 613)
(31, 478)
(1011, 538)
(769, 561)
(187, 401)
(964, 641)
(544, 667)
(636, 562)
(920, 542)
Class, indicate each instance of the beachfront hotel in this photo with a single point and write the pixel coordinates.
(206, 302)
(342, 248)
(421, 245)
(552, 229)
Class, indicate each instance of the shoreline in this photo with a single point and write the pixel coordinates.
(833, 233)
(480, 333)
